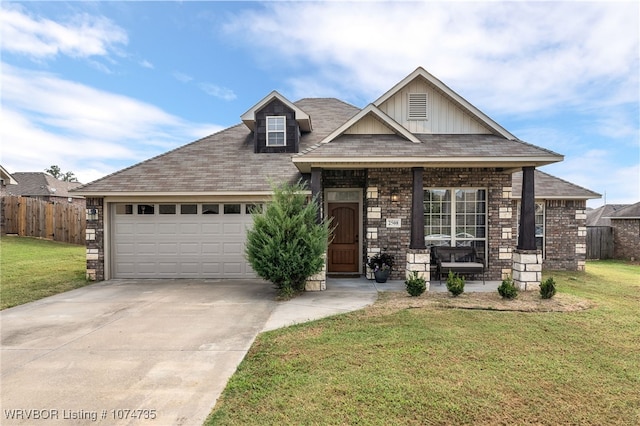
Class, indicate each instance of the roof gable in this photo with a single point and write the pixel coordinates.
(303, 119)
(371, 117)
(6, 177)
(448, 112)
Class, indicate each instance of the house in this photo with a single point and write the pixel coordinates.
(560, 219)
(6, 179)
(420, 166)
(626, 232)
(44, 187)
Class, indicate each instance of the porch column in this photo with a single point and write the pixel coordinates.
(417, 211)
(527, 230)
(316, 190)
(527, 260)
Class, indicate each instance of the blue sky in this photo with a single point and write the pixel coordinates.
(98, 86)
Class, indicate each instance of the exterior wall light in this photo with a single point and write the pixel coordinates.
(395, 197)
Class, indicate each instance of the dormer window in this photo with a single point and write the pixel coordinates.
(276, 131)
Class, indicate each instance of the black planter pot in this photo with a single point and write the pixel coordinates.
(382, 275)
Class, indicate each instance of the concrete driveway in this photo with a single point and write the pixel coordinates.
(165, 348)
(155, 352)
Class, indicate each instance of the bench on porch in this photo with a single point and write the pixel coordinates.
(459, 260)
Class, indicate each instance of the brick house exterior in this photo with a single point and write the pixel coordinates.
(418, 166)
(626, 232)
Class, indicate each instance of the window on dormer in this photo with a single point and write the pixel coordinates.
(417, 106)
(276, 131)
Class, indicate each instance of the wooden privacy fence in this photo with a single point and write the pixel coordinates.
(30, 217)
(599, 242)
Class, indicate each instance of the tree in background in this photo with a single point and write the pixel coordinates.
(286, 245)
(57, 173)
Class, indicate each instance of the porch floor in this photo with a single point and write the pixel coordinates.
(363, 283)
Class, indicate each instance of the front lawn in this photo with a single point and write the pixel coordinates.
(31, 269)
(434, 365)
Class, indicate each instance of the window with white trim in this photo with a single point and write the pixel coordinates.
(276, 131)
(456, 217)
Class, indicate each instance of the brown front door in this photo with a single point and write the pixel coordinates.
(343, 250)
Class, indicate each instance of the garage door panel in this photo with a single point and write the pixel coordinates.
(211, 229)
(190, 248)
(211, 249)
(167, 228)
(145, 229)
(180, 245)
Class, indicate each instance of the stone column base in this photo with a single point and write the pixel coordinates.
(419, 260)
(527, 269)
(317, 282)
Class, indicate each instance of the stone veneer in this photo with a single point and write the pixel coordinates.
(318, 282)
(95, 239)
(527, 269)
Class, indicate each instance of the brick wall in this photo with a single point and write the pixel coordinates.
(565, 235)
(626, 238)
(95, 239)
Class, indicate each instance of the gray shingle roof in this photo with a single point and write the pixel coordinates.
(627, 212)
(548, 187)
(41, 184)
(224, 161)
(601, 215)
(452, 145)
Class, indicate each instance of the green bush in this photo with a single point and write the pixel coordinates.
(548, 288)
(415, 285)
(455, 284)
(507, 289)
(285, 244)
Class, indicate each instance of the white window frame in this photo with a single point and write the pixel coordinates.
(453, 238)
(278, 131)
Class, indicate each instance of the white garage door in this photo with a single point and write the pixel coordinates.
(180, 240)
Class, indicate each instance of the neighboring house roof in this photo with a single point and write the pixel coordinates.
(601, 215)
(549, 187)
(7, 178)
(39, 184)
(627, 212)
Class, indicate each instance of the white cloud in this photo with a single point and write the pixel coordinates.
(516, 57)
(217, 91)
(182, 77)
(48, 120)
(81, 36)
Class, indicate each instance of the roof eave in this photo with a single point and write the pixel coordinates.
(305, 163)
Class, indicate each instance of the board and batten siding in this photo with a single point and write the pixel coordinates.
(443, 115)
(369, 125)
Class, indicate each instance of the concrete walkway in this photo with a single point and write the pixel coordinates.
(138, 352)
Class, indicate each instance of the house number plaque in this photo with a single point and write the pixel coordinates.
(394, 223)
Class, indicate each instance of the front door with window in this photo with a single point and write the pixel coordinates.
(343, 250)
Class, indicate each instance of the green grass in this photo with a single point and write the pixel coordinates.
(449, 366)
(31, 269)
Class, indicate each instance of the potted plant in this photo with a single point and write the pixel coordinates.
(381, 264)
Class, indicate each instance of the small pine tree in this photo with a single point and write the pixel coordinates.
(455, 284)
(415, 285)
(285, 244)
(548, 288)
(507, 289)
